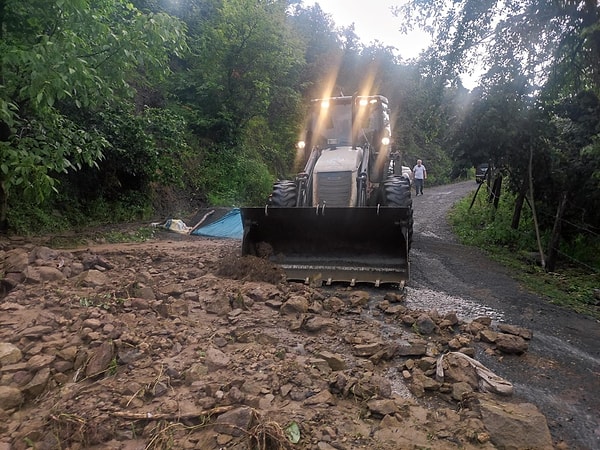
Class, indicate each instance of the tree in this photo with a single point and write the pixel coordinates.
(241, 52)
(548, 39)
(61, 56)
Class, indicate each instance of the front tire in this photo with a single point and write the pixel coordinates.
(284, 194)
(397, 194)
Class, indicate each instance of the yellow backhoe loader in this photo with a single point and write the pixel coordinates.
(347, 217)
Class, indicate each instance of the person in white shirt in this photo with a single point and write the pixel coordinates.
(420, 174)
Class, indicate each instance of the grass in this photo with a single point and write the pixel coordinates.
(573, 286)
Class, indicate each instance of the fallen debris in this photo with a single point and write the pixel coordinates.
(172, 346)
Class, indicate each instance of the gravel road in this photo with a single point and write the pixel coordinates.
(561, 371)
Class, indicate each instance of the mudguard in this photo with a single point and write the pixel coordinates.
(324, 245)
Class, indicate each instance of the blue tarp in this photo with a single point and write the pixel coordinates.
(228, 226)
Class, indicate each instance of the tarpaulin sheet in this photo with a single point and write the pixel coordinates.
(228, 226)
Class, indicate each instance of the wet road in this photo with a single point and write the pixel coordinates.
(561, 371)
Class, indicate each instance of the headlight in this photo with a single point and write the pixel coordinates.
(301, 144)
(385, 141)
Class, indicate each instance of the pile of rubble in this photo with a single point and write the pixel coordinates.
(180, 345)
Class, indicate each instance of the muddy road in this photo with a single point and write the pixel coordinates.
(561, 371)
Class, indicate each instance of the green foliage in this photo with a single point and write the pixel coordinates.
(45, 147)
(60, 56)
(484, 227)
(64, 213)
(242, 52)
(146, 147)
(232, 178)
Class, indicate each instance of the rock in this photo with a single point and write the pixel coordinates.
(483, 320)
(319, 364)
(294, 305)
(38, 384)
(10, 397)
(396, 309)
(488, 336)
(43, 274)
(144, 292)
(92, 323)
(216, 359)
(511, 344)
(382, 407)
(394, 297)
(174, 289)
(517, 331)
(36, 331)
(474, 328)
(92, 278)
(428, 384)
(195, 373)
(336, 362)
(324, 397)
(219, 306)
(412, 349)
(9, 354)
(15, 261)
(515, 426)
(359, 299)
(381, 386)
(334, 304)
(100, 360)
(458, 370)
(452, 318)
(460, 390)
(39, 362)
(367, 349)
(318, 323)
(427, 364)
(235, 422)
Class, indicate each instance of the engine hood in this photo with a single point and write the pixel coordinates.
(340, 159)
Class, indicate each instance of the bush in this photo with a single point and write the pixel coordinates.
(229, 177)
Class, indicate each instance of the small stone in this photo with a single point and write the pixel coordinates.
(10, 397)
(511, 344)
(9, 354)
(235, 422)
(425, 324)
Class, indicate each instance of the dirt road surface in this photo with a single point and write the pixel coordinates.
(561, 371)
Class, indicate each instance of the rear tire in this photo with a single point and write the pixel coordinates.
(284, 194)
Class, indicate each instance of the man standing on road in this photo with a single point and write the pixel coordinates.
(420, 174)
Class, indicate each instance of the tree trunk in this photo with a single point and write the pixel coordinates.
(516, 218)
(495, 192)
(552, 252)
(532, 206)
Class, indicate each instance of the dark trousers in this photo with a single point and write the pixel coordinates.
(419, 186)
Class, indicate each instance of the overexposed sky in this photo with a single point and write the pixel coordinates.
(373, 20)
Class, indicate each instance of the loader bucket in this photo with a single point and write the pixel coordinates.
(355, 245)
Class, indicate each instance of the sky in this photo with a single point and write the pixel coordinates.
(373, 20)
